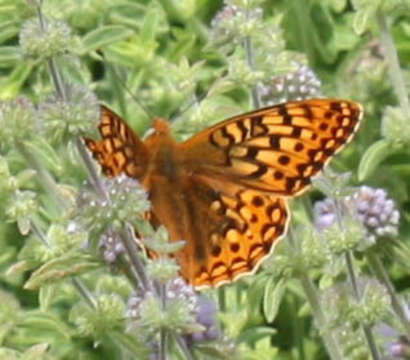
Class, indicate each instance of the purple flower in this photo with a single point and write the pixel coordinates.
(372, 207)
(394, 345)
(206, 316)
(202, 308)
(111, 246)
(298, 85)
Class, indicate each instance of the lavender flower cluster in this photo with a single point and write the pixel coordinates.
(372, 207)
(200, 307)
(298, 85)
(225, 24)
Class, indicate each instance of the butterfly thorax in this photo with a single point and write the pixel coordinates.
(163, 153)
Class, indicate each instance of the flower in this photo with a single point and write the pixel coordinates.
(111, 246)
(231, 24)
(298, 85)
(74, 116)
(17, 121)
(205, 316)
(192, 307)
(125, 203)
(373, 208)
(394, 344)
(44, 40)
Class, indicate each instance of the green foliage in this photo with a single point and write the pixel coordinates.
(74, 283)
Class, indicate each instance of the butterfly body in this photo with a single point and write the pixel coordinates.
(224, 190)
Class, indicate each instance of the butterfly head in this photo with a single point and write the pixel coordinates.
(161, 127)
(159, 135)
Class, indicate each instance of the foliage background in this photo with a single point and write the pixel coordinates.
(170, 55)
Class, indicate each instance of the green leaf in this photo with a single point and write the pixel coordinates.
(10, 86)
(71, 264)
(41, 321)
(9, 354)
(19, 267)
(131, 53)
(36, 352)
(46, 296)
(255, 296)
(131, 343)
(256, 333)
(24, 224)
(372, 158)
(9, 56)
(274, 291)
(46, 154)
(361, 19)
(104, 36)
(150, 25)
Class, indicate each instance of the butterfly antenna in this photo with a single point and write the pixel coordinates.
(126, 88)
(197, 100)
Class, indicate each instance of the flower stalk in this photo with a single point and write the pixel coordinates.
(396, 75)
(353, 280)
(249, 57)
(163, 335)
(45, 179)
(318, 313)
(128, 241)
(379, 270)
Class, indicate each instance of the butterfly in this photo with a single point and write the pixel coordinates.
(224, 191)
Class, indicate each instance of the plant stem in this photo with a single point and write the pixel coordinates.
(366, 329)
(314, 302)
(353, 280)
(396, 75)
(37, 230)
(182, 345)
(58, 83)
(45, 179)
(127, 238)
(222, 298)
(249, 58)
(60, 89)
(89, 164)
(129, 272)
(318, 313)
(379, 270)
(87, 296)
(352, 274)
(76, 282)
(163, 336)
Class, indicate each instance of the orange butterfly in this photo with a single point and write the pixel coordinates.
(224, 190)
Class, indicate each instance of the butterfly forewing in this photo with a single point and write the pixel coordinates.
(276, 149)
(120, 150)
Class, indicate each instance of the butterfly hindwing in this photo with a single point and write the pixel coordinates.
(227, 233)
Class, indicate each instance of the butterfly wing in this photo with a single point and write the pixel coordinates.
(226, 195)
(119, 150)
(227, 234)
(277, 149)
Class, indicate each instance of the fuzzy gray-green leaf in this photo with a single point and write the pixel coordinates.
(372, 158)
(103, 36)
(62, 267)
(274, 291)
